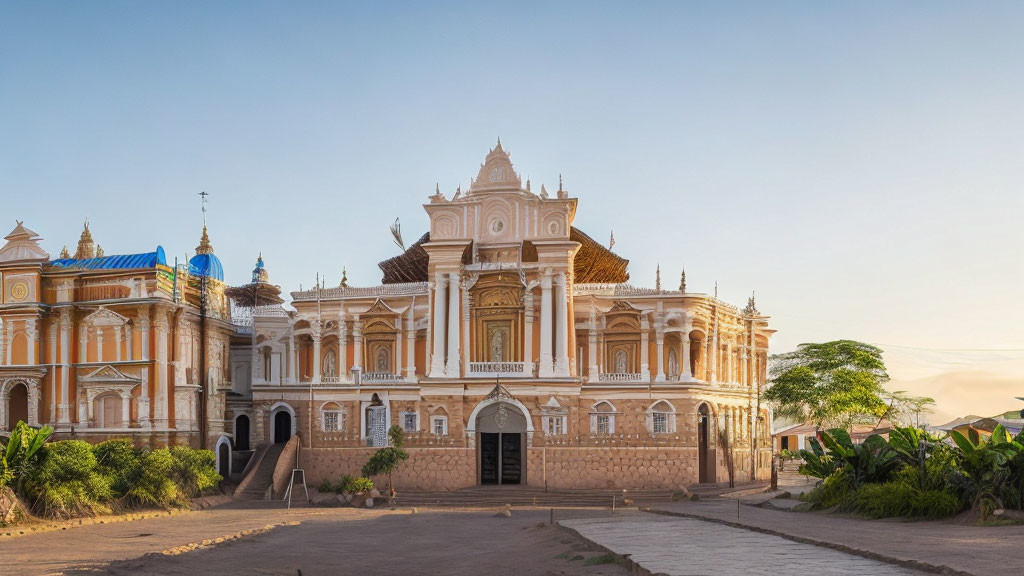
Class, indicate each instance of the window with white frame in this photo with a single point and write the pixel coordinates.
(602, 419)
(554, 425)
(439, 425)
(333, 419)
(410, 421)
(661, 418)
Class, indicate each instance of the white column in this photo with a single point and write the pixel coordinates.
(547, 368)
(63, 415)
(687, 371)
(53, 343)
(743, 367)
(342, 349)
(465, 327)
(128, 337)
(316, 354)
(161, 369)
(562, 326)
(357, 343)
(126, 410)
(117, 341)
(728, 363)
(144, 332)
(592, 369)
(713, 356)
(454, 357)
(659, 339)
(53, 372)
(293, 360)
(528, 333)
(9, 340)
(398, 345)
(438, 318)
(410, 343)
(3, 343)
(645, 350)
(99, 343)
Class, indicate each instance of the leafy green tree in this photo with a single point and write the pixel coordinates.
(387, 459)
(829, 384)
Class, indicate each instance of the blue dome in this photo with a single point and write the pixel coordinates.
(206, 265)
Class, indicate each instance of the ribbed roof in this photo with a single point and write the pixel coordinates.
(206, 265)
(115, 262)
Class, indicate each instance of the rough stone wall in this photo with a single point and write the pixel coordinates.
(426, 468)
(601, 468)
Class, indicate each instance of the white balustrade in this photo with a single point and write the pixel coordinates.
(620, 377)
(499, 369)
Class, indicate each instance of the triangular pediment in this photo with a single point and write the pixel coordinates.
(109, 374)
(496, 173)
(106, 317)
(623, 307)
(380, 308)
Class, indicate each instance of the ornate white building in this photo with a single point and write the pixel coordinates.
(511, 348)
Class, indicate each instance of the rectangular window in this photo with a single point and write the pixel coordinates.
(660, 423)
(332, 422)
(556, 426)
(440, 426)
(604, 424)
(410, 422)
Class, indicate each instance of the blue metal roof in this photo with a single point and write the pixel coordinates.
(115, 262)
(206, 265)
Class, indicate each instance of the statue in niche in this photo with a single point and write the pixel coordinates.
(382, 360)
(673, 363)
(621, 362)
(497, 346)
(330, 364)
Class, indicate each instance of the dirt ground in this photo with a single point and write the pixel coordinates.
(321, 542)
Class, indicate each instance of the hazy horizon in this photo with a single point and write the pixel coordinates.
(856, 165)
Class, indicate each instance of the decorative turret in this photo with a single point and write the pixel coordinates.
(344, 278)
(86, 247)
(496, 173)
(259, 273)
(205, 263)
(64, 252)
(99, 251)
(657, 278)
(682, 281)
(22, 244)
(204, 243)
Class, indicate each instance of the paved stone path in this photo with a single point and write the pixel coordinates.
(682, 546)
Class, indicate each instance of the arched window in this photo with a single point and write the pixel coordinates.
(439, 423)
(661, 418)
(602, 418)
(332, 417)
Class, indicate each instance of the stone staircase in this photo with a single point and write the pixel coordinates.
(261, 477)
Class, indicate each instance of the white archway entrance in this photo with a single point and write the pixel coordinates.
(282, 423)
(501, 427)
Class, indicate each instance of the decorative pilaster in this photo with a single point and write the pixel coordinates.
(160, 408)
(528, 332)
(398, 345)
(32, 332)
(645, 350)
(144, 331)
(687, 373)
(454, 360)
(63, 415)
(342, 348)
(316, 329)
(438, 318)
(592, 370)
(128, 336)
(659, 339)
(562, 367)
(118, 337)
(357, 342)
(410, 341)
(547, 367)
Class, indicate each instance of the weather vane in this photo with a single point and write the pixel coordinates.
(204, 194)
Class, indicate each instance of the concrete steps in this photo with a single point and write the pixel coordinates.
(255, 485)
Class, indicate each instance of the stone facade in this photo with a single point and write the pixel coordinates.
(511, 348)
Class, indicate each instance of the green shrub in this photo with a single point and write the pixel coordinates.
(120, 462)
(66, 482)
(194, 471)
(155, 484)
(22, 454)
(361, 484)
(834, 491)
(933, 504)
(325, 486)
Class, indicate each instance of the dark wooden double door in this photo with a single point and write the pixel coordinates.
(501, 458)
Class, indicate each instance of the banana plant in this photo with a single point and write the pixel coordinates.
(989, 467)
(23, 451)
(870, 461)
(816, 462)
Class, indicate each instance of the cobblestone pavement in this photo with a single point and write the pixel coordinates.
(682, 546)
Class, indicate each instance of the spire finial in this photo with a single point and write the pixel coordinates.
(204, 243)
(64, 252)
(751, 304)
(716, 288)
(682, 281)
(203, 195)
(611, 240)
(657, 278)
(86, 247)
(344, 278)
(560, 182)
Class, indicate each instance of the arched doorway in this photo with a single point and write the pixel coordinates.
(17, 405)
(705, 454)
(242, 432)
(223, 460)
(501, 429)
(282, 426)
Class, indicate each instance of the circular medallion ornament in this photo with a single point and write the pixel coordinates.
(19, 291)
(497, 226)
(554, 228)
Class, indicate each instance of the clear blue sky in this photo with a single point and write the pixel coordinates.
(858, 164)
